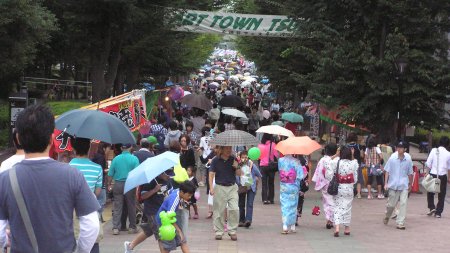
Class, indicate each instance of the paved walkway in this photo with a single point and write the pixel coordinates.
(368, 233)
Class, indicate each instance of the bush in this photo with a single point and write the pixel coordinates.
(4, 124)
(421, 135)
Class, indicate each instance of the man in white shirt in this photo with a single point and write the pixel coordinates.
(50, 189)
(440, 168)
(17, 157)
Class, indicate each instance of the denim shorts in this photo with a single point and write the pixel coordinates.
(150, 227)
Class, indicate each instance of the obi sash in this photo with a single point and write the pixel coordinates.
(346, 179)
(288, 177)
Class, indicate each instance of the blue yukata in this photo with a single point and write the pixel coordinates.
(291, 173)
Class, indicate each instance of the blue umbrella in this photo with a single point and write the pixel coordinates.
(150, 169)
(96, 125)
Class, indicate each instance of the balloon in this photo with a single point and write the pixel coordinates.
(197, 195)
(167, 230)
(152, 139)
(254, 153)
(180, 174)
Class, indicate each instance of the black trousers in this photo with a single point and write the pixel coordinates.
(441, 196)
(268, 184)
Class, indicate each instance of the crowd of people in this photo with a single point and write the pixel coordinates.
(226, 174)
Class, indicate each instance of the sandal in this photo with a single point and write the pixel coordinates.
(285, 232)
(210, 215)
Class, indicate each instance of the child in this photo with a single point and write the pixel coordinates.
(173, 202)
(153, 195)
(191, 172)
(247, 183)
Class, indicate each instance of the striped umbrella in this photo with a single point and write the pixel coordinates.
(234, 138)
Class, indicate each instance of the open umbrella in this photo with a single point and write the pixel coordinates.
(234, 138)
(234, 113)
(245, 84)
(209, 78)
(220, 78)
(231, 101)
(292, 117)
(198, 101)
(298, 146)
(274, 129)
(96, 125)
(150, 169)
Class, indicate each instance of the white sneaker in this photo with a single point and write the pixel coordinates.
(126, 245)
(373, 190)
(364, 190)
(201, 184)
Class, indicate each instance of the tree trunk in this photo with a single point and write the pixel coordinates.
(382, 41)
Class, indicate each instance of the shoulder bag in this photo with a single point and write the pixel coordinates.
(430, 183)
(334, 184)
(23, 209)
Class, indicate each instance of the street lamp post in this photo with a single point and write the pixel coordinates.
(401, 65)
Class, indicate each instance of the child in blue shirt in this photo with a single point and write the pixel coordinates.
(172, 203)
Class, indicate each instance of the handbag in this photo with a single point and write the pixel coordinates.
(430, 183)
(272, 165)
(334, 184)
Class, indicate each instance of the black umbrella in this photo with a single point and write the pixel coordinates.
(197, 100)
(231, 101)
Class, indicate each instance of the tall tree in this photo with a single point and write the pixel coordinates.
(24, 25)
(352, 47)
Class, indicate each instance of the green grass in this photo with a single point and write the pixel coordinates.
(57, 107)
(4, 123)
(60, 107)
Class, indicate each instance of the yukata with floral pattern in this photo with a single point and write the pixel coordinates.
(343, 200)
(322, 185)
(291, 173)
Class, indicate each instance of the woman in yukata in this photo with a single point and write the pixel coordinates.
(322, 183)
(291, 173)
(347, 174)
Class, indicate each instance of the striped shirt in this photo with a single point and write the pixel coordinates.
(92, 172)
(171, 203)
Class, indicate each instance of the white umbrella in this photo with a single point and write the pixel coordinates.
(246, 74)
(274, 129)
(234, 113)
(250, 79)
(220, 78)
(215, 83)
(234, 78)
(245, 84)
(186, 93)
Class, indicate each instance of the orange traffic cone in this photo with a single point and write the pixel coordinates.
(415, 183)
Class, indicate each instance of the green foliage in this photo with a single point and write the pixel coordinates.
(345, 53)
(4, 124)
(24, 25)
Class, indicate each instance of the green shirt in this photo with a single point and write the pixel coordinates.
(121, 165)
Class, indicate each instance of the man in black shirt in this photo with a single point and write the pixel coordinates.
(153, 195)
(224, 168)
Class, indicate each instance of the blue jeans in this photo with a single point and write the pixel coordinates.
(246, 205)
(102, 200)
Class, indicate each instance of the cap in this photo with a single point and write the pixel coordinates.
(126, 145)
(401, 144)
(152, 139)
(170, 172)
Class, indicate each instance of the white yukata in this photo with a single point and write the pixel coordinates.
(343, 200)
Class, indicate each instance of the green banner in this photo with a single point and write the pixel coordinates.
(237, 24)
